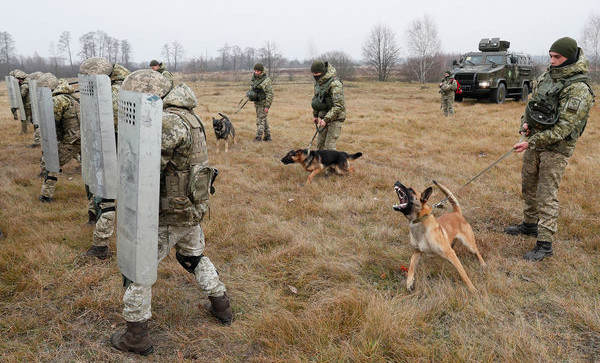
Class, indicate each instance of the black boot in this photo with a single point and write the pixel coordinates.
(100, 252)
(45, 199)
(267, 137)
(220, 309)
(541, 250)
(135, 339)
(528, 229)
(257, 138)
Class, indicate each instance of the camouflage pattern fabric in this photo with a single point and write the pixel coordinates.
(262, 123)
(574, 104)
(66, 152)
(189, 241)
(447, 88)
(545, 160)
(24, 86)
(147, 81)
(264, 83)
(328, 137)
(36, 136)
(105, 225)
(335, 92)
(116, 81)
(168, 75)
(96, 65)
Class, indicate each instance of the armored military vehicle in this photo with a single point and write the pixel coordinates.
(494, 73)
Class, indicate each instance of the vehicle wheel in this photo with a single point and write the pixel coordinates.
(525, 93)
(458, 98)
(499, 95)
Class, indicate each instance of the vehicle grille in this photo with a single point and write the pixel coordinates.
(465, 79)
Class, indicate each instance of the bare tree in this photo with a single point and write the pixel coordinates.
(88, 45)
(7, 49)
(236, 56)
(224, 56)
(177, 53)
(54, 57)
(591, 40)
(342, 63)
(423, 46)
(167, 53)
(249, 57)
(64, 46)
(125, 53)
(271, 57)
(381, 51)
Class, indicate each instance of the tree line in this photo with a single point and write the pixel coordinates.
(382, 56)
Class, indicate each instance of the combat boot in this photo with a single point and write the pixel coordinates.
(257, 138)
(220, 309)
(267, 137)
(91, 218)
(135, 339)
(100, 252)
(528, 229)
(541, 250)
(45, 199)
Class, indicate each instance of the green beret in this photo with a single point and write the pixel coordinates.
(259, 67)
(318, 67)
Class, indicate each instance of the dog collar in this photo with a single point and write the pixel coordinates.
(421, 218)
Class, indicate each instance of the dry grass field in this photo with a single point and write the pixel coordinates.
(315, 272)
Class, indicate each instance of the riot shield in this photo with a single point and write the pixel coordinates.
(17, 87)
(12, 92)
(35, 112)
(140, 126)
(98, 146)
(48, 129)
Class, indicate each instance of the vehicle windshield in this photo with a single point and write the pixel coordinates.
(494, 59)
(474, 59)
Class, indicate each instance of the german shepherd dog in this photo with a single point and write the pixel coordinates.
(224, 130)
(316, 161)
(433, 236)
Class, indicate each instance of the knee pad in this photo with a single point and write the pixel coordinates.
(188, 262)
(50, 177)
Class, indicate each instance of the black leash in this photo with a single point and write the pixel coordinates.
(318, 131)
(439, 204)
(242, 105)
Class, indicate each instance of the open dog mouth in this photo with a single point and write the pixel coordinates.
(402, 197)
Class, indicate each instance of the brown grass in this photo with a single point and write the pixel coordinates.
(336, 241)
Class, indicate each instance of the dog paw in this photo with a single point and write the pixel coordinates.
(410, 287)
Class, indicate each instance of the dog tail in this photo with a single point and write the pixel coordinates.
(451, 197)
(354, 156)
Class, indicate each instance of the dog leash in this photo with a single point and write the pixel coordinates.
(317, 131)
(242, 106)
(509, 152)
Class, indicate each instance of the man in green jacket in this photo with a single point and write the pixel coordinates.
(554, 118)
(160, 68)
(261, 93)
(329, 107)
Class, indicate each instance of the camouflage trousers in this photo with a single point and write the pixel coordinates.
(105, 223)
(26, 121)
(328, 137)
(262, 123)
(189, 241)
(66, 152)
(36, 135)
(541, 174)
(448, 104)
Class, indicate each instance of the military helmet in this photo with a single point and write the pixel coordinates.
(147, 81)
(119, 72)
(181, 96)
(47, 80)
(96, 65)
(20, 74)
(63, 86)
(36, 75)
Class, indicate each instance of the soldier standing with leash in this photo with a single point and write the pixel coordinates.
(261, 93)
(554, 119)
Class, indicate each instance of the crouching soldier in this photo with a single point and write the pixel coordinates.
(185, 181)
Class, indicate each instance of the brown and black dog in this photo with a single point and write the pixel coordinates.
(224, 130)
(433, 236)
(316, 161)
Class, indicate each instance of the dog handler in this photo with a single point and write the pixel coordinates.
(328, 104)
(261, 93)
(554, 118)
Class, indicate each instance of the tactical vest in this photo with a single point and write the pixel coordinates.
(322, 100)
(70, 131)
(184, 191)
(542, 110)
(257, 94)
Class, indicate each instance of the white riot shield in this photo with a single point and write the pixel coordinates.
(48, 129)
(35, 112)
(140, 126)
(17, 87)
(12, 92)
(98, 145)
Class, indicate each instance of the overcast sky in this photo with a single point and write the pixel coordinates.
(301, 29)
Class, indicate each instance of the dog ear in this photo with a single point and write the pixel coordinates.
(426, 194)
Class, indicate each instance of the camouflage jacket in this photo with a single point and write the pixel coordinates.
(335, 94)
(116, 80)
(24, 88)
(448, 86)
(163, 70)
(574, 104)
(185, 174)
(66, 113)
(263, 84)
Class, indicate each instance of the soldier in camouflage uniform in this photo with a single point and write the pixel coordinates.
(14, 110)
(261, 93)
(329, 107)
(554, 118)
(24, 86)
(36, 128)
(160, 68)
(448, 87)
(185, 182)
(101, 211)
(66, 116)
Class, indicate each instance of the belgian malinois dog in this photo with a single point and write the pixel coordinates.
(433, 236)
(316, 161)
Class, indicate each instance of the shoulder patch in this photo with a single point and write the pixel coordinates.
(573, 104)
